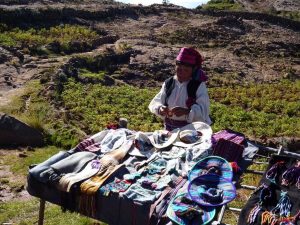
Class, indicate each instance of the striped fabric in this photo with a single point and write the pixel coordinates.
(229, 150)
(202, 167)
(173, 124)
(92, 144)
(229, 135)
(200, 186)
(201, 215)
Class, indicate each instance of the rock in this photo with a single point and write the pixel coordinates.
(16, 133)
(23, 155)
(54, 47)
(30, 66)
(4, 55)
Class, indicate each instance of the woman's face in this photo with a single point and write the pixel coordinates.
(183, 72)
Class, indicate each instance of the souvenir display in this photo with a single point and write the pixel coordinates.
(276, 201)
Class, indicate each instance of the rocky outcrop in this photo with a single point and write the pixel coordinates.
(16, 133)
(277, 20)
(4, 55)
(271, 5)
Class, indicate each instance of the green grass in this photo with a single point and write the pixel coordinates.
(97, 105)
(30, 107)
(20, 165)
(61, 36)
(14, 212)
(221, 5)
(270, 110)
(35, 109)
(85, 73)
(263, 110)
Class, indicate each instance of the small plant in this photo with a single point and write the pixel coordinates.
(85, 73)
(123, 47)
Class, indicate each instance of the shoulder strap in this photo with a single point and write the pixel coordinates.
(192, 88)
(169, 86)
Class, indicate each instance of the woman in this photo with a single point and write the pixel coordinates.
(183, 99)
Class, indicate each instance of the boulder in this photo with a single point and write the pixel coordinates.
(4, 55)
(16, 133)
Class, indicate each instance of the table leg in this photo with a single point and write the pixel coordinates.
(41, 212)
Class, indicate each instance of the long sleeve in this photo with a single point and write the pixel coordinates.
(158, 101)
(200, 110)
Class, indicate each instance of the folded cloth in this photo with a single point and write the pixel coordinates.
(89, 188)
(66, 182)
(229, 135)
(73, 163)
(37, 171)
(139, 194)
(157, 166)
(108, 164)
(228, 150)
(115, 186)
(92, 144)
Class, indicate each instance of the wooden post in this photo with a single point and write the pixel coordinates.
(41, 212)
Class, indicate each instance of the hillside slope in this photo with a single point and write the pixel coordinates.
(266, 5)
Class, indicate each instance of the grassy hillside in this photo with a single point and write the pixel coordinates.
(264, 110)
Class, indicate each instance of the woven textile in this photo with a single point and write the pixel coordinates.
(199, 190)
(201, 215)
(203, 166)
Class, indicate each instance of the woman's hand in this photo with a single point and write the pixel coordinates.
(180, 111)
(164, 111)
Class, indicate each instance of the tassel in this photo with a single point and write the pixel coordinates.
(283, 206)
(235, 167)
(253, 213)
(273, 172)
(265, 195)
(290, 176)
(298, 183)
(296, 217)
(268, 218)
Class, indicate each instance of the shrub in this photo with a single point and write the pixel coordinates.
(222, 5)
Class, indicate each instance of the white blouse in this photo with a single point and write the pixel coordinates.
(199, 111)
